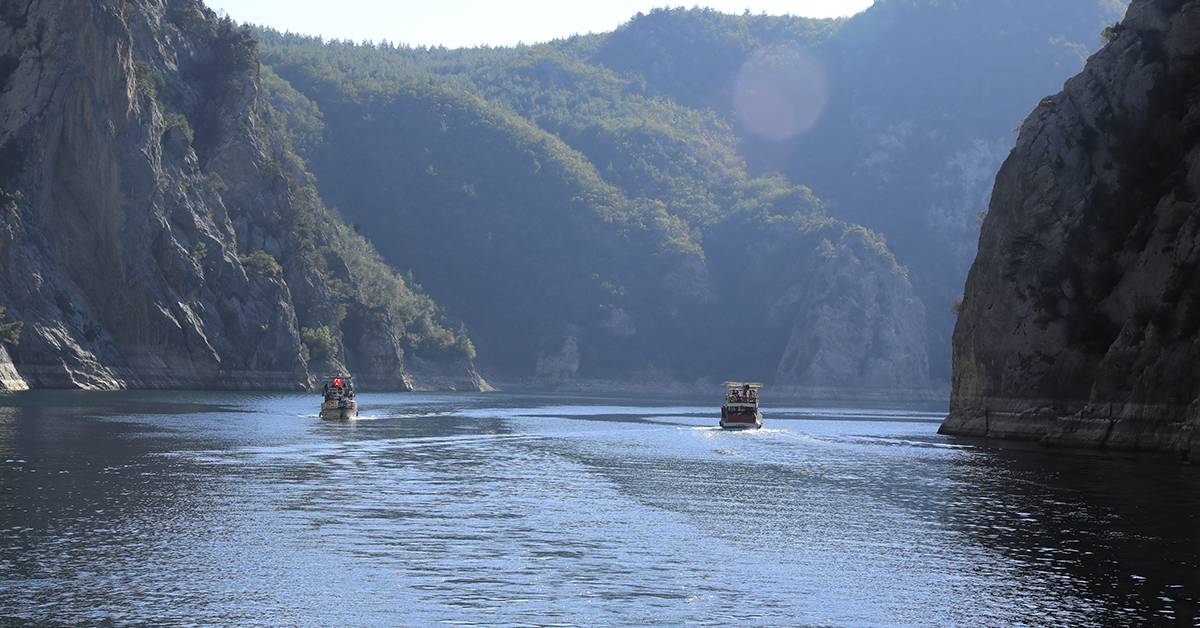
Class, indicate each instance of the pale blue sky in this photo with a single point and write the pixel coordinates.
(465, 23)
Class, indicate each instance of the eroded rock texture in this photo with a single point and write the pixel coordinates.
(858, 330)
(1081, 315)
(149, 230)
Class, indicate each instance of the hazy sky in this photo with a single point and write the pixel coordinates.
(459, 23)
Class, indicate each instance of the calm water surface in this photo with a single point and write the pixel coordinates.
(179, 509)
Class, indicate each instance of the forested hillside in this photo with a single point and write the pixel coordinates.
(917, 103)
(924, 101)
(639, 201)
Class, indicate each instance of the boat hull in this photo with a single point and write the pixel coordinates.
(339, 410)
(733, 418)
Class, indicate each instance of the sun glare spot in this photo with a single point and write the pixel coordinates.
(781, 93)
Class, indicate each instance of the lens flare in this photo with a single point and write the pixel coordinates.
(780, 93)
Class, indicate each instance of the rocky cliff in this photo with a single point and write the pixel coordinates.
(826, 303)
(156, 232)
(858, 331)
(1080, 322)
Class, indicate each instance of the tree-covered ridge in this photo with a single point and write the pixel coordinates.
(542, 197)
(692, 55)
(483, 203)
(327, 244)
(924, 97)
(648, 147)
(598, 186)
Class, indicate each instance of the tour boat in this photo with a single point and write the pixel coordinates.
(741, 406)
(339, 400)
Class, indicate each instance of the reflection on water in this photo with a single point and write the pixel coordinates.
(1118, 535)
(537, 510)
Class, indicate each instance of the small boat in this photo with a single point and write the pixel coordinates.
(741, 406)
(339, 400)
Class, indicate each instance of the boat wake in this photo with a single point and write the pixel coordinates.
(360, 417)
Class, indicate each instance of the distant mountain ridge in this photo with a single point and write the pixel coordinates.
(578, 244)
(646, 116)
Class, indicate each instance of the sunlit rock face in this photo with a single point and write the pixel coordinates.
(1081, 315)
(857, 330)
(138, 173)
(10, 379)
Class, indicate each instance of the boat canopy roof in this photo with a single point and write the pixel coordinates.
(741, 384)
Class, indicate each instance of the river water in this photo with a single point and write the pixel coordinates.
(497, 509)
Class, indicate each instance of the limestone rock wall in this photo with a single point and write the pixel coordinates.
(148, 211)
(1080, 324)
(10, 379)
(857, 329)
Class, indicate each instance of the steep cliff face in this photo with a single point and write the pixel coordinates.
(155, 232)
(826, 303)
(858, 329)
(1080, 322)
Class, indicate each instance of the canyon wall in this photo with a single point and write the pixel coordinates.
(1080, 321)
(154, 230)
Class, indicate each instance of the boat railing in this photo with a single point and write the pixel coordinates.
(340, 387)
(737, 396)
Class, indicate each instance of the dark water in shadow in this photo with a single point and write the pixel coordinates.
(174, 509)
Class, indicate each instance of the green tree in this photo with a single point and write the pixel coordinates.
(10, 333)
(261, 262)
(319, 342)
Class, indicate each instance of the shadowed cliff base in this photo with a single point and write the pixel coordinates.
(774, 393)
(1142, 429)
(830, 393)
(444, 375)
(1080, 323)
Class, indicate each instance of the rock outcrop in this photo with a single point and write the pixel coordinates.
(445, 375)
(562, 366)
(154, 231)
(824, 303)
(857, 329)
(1080, 323)
(10, 379)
